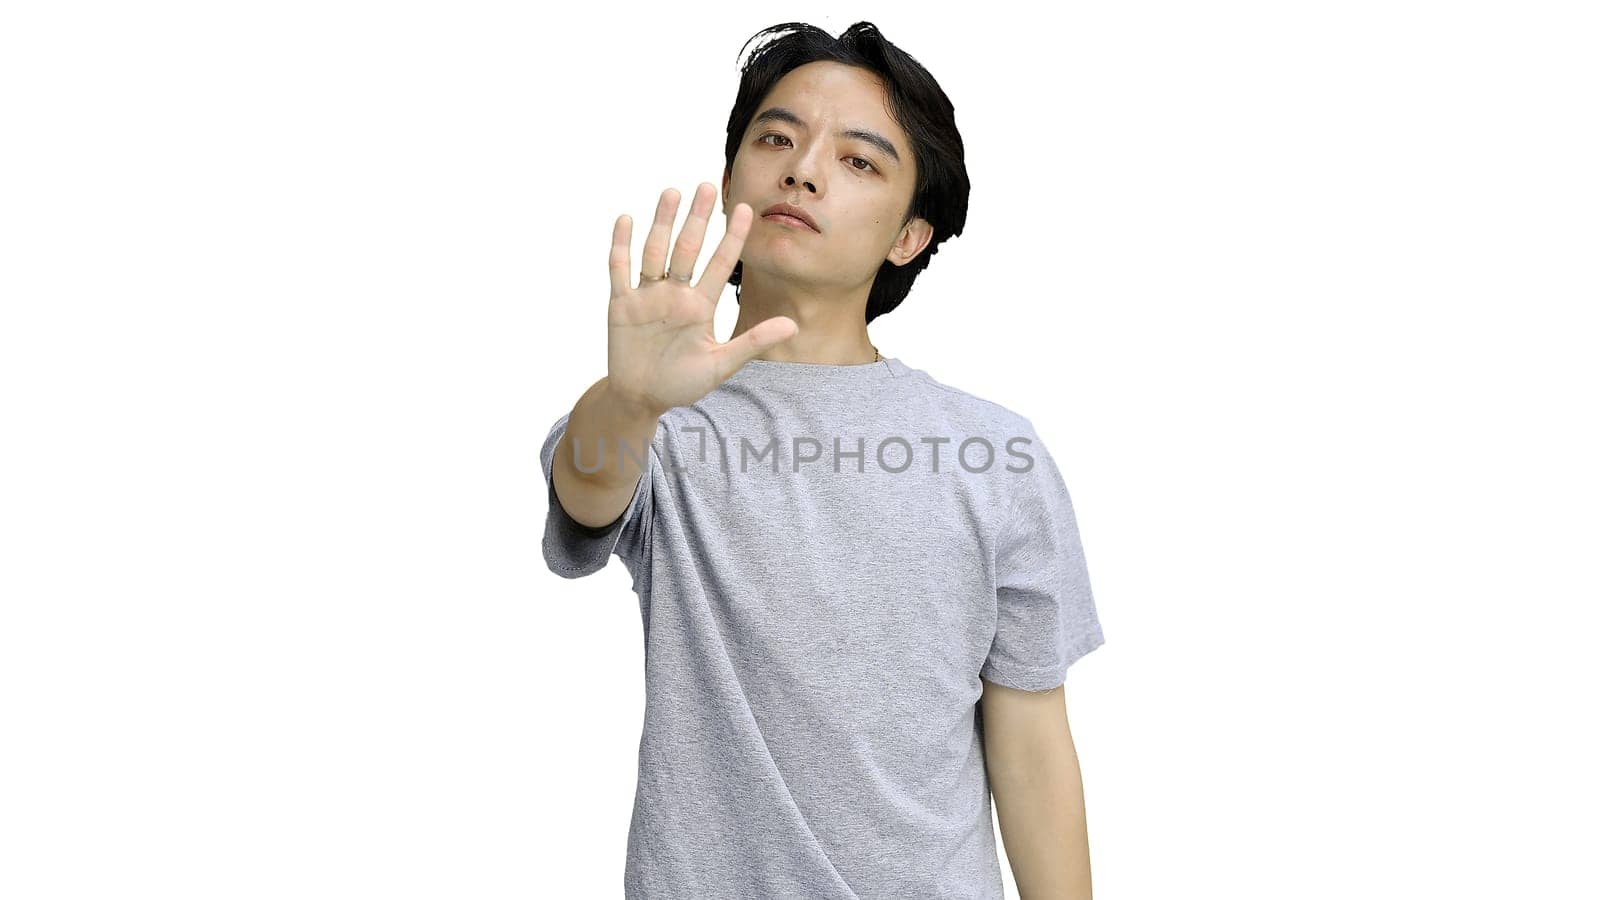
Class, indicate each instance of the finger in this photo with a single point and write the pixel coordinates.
(621, 255)
(755, 341)
(720, 268)
(654, 263)
(686, 250)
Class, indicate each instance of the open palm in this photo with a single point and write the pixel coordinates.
(661, 351)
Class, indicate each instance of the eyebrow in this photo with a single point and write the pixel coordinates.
(783, 114)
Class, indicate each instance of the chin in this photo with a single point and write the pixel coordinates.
(784, 266)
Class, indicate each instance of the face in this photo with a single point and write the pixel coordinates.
(823, 140)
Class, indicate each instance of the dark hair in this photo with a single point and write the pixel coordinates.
(919, 107)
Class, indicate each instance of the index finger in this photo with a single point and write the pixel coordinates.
(720, 267)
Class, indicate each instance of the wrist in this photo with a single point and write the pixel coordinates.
(633, 406)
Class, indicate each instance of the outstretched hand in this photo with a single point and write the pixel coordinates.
(661, 351)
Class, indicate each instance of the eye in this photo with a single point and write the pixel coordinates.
(773, 134)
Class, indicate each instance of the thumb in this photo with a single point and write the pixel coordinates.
(755, 342)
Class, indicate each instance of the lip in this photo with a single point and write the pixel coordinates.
(791, 215)
(788, 222)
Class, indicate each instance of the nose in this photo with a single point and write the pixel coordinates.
(790, 182)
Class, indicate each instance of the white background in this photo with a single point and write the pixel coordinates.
(1299, 295)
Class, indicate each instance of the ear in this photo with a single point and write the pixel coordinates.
(726, 177)
(913, 238)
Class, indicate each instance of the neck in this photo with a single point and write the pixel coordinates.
(833, 328)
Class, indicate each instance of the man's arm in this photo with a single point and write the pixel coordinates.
(602, 419)
(661, 353)
(1038, 791)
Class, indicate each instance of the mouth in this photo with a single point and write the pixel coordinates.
(788, 221)
(790, 215)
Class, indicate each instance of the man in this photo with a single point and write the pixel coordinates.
(861, 588)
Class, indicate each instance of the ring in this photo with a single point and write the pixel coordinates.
(683, 278)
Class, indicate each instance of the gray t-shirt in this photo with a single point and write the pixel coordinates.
(822, 582)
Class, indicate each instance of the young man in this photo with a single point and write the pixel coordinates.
(861, 588)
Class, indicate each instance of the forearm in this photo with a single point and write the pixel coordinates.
(609, 431)
(1039, 801)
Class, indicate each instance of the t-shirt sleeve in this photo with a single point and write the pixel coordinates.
(1046, 611)
(573, 549)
